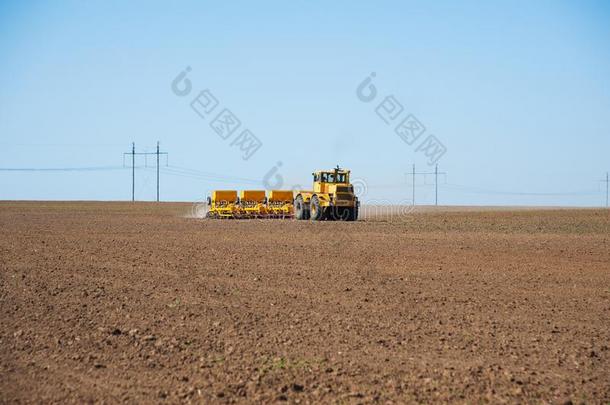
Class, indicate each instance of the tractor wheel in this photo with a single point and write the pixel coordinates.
(333, 213)
(352, 214)
(317, 212)
(300, 209)
(339, 214)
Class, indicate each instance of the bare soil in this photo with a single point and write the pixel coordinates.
(112, 302)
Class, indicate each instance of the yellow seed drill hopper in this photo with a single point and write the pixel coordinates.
(252, 203)
(280, 204)
(223, 204)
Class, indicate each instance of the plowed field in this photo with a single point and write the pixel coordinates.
(112, 302)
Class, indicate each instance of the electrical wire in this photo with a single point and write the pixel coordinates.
(207, 178)
(213, 175)
(220, 178)
(62, 145)
(61, 169)
(477, 190)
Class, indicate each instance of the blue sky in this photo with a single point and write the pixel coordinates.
(517, 92)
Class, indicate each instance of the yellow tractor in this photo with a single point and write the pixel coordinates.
(332, 198)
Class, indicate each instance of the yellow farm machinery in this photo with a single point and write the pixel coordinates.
(222, 204)
(332, 198)
(280, 204)
(250, 204)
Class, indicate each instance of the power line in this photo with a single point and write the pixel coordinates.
(222, 178)
(171, 170)
(478, 190)
(216, 179)
(60, 169)
(209, 175)
(133, 154)
(61, 145)
(435, 173)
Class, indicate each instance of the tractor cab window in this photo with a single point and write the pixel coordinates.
(325, 177)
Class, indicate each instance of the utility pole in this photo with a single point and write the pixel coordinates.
(157, 171)
(413, 198)
(607, 181)
(133, 171)
(436, 185)
(435, 173)
(133, 154)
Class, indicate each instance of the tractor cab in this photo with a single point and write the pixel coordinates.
(326, 181)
